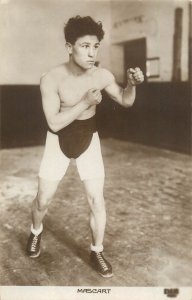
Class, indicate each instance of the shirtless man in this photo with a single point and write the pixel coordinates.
(70, 94)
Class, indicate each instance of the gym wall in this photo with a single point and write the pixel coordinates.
(32, 42)
(153, 20)
(32, 39)
(161, 115)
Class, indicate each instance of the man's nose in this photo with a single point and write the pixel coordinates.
(91, 52)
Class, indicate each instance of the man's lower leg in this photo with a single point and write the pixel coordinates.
(99, 263)
(33, 244)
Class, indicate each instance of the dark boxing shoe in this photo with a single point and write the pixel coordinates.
(33, 245)
(100, 264)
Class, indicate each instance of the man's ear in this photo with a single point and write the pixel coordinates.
(69, 48)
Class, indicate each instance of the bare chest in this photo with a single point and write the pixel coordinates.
(72, 90)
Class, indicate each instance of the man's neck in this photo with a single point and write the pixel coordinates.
(77, 70)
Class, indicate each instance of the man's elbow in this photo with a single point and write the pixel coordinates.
(53, 126)
(128, 104)
(54, 129)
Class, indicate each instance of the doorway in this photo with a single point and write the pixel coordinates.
(135, 55)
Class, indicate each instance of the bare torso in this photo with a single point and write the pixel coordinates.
(71, 88)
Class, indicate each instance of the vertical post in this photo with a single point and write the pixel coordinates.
(177, 43)
(1, 123)
(190, 66)
(190, 42)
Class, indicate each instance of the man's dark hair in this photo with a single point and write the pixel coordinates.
(80, 26)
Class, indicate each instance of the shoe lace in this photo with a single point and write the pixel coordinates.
(102, 261)
(34, 243)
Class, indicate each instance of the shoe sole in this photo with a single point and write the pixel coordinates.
(36, 255)
(106, 276)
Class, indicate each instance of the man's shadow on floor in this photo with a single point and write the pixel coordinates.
(63, 237)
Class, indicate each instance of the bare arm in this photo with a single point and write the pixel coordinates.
(51, 105)
(124, 96)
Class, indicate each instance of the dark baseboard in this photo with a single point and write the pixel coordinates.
(160, 117)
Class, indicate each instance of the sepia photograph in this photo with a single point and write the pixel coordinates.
(95, 149)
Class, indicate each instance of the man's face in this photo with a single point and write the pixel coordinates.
(84, 51)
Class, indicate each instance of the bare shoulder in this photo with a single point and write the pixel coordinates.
(106, 76)
(105, 72)
(53, 77)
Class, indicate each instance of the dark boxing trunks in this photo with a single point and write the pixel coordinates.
(75, 138)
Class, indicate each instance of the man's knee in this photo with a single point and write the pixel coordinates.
(97, 203)
(46, 191)
(40, 203)
(42, 200)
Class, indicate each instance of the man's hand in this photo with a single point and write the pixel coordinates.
(134, 76)
(92, 97)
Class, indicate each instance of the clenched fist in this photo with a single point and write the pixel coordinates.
(134, 76)
(92, 97)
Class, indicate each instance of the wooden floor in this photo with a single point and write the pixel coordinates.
(148, 237)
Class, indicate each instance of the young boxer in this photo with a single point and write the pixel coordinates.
(70, 94)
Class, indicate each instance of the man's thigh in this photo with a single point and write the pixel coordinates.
(54, 163)
(90, 163)
(47, 188)
(94, 188)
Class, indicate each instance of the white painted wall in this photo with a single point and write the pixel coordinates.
(31, 35)
(157, 26)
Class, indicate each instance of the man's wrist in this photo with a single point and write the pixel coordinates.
(85, 102)
(130, 85)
